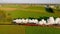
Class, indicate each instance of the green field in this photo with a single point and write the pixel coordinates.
(26, 11)
(42, 30)
(18, 29)
(12, 29)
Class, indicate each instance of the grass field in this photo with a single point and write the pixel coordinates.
(18, 29)
(25, 11)
(12, 29)
(42, 30)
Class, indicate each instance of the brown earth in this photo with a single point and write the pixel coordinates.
(8, 9)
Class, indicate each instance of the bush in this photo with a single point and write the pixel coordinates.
(44, 17)
(50, 10)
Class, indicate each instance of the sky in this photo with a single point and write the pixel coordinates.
(31, 1)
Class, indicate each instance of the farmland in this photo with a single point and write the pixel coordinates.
(12, 29)
(42, 30)
(19, 29)
(26, 11)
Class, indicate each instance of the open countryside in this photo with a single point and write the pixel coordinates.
(25, 11)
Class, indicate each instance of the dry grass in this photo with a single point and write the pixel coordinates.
(8, 9)
(12, 29)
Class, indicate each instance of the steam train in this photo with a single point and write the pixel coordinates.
(36, 22)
